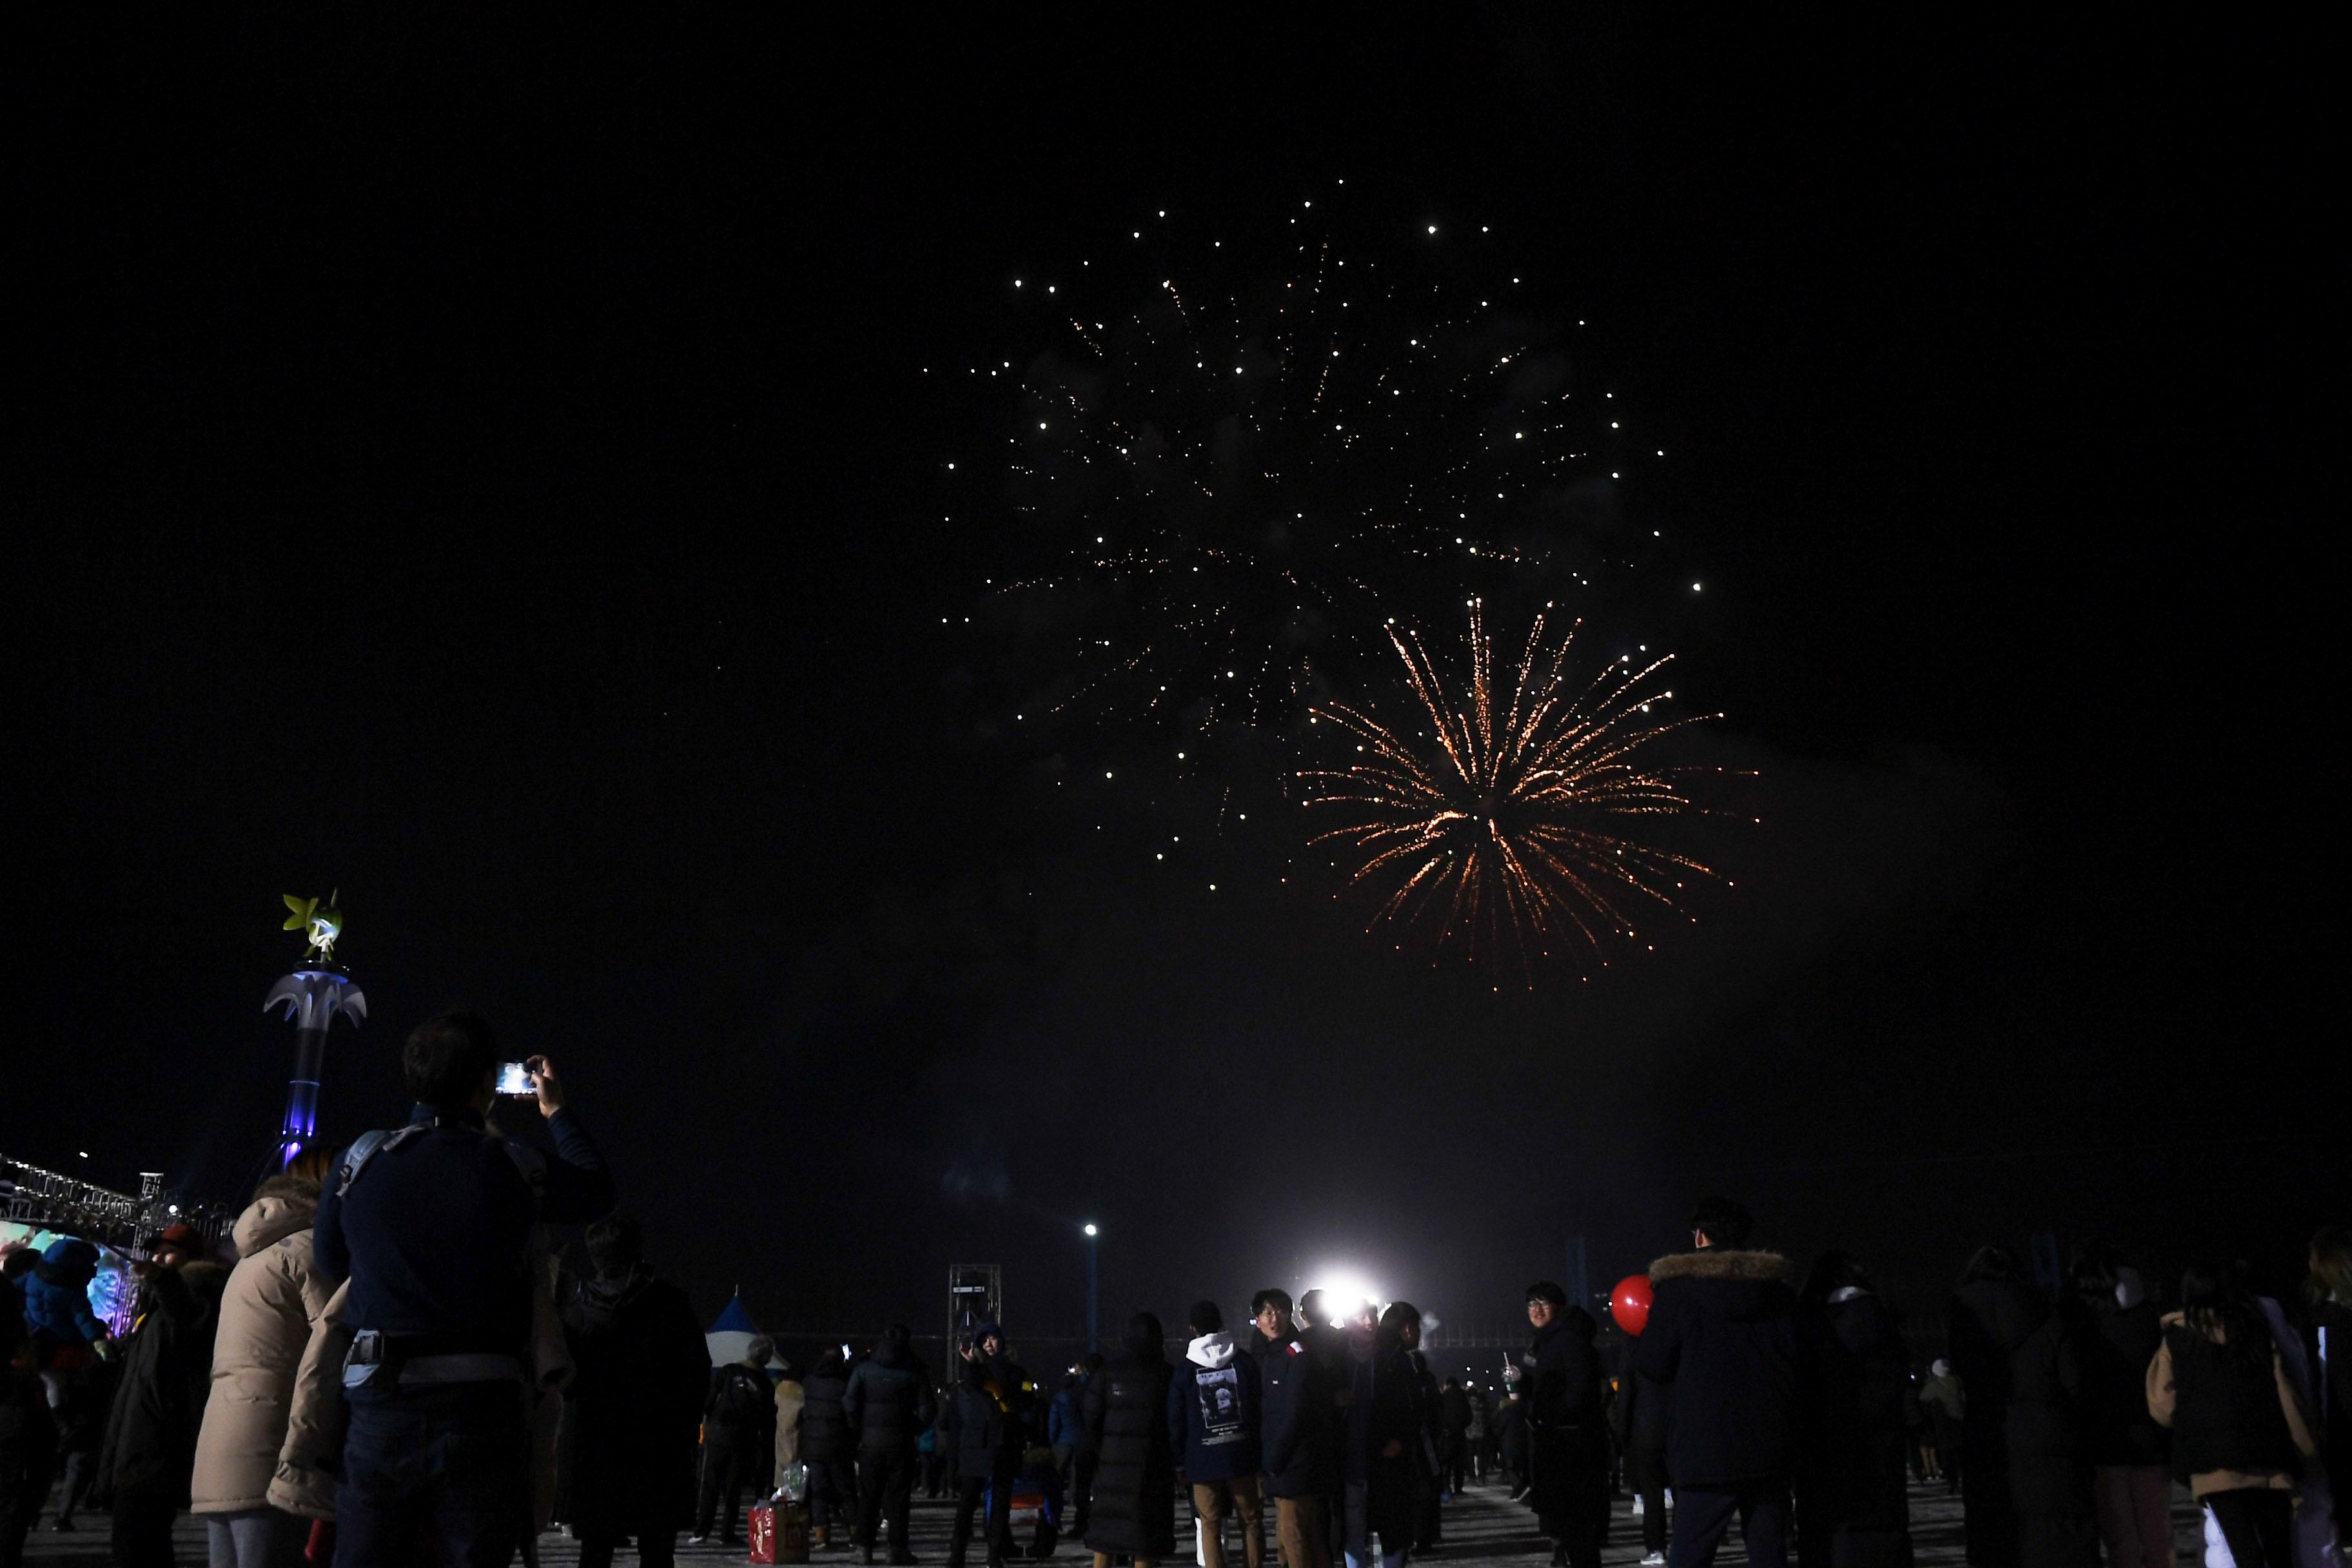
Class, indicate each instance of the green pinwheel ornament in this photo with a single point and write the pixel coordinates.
(322, 922)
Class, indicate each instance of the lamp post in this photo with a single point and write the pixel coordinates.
(1094, 1281)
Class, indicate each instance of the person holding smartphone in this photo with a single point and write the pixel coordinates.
(432, 1223)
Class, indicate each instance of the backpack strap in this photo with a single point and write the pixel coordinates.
(368, 1145)
(528, 1162)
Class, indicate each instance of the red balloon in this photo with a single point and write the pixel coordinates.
(1628, 1303)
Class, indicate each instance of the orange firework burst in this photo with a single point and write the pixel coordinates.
(1505, 823)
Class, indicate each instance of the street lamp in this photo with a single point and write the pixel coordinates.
(1093, 1280)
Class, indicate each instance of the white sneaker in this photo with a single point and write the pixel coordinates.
(1637, 1505)
(1654, 1560)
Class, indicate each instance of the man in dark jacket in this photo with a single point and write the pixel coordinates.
(1325, 1336)
(1852, 1508)
(1061, 1422)
(887, 1404)
(2026, 1490)
(1296, 1437)
(149, 1453)
(1083, 1454)
(1723, 1332)
(1125, 1412)
(28, 1438)
(1638, 1420)
(1213, 1422)
(738, 1436)
(1559, 1381)
(432, 1226)
(1383, 1455)
(828, 1448)
(994, 1401)
(639, 1368)
(1428, 1523)
(2118, 1330)
(1454, 1434)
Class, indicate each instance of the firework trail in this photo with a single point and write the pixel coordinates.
(1507, 819)
(1240, 456)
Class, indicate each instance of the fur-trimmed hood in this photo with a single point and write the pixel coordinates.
(1719, 1263)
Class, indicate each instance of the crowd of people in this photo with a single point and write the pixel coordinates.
(395, 1369)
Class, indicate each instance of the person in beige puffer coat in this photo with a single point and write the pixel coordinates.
(274, 1305)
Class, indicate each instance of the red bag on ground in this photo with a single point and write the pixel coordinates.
(763, 1532)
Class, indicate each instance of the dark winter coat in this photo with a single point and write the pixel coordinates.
(994, 1404)
(1562, 1388)
(1298, 1420)
(432, 1235)
(1638, 1420)
(2116, 1344)
(1214, 1415)
(1511, 1435)
(1388, 1411)
(1453, 1413)
(2026, 1483)
(1125, 1412)
(28, 1439)
(150, 1450)
(1854, 1462)
(1432, 1409)
(888, 1401)
(1723, 1332)
(826, 1435)
(640, 1369)
(1062, 1424)
(739, 1413)
(56, 1293)
(2236, 1417)
(1081, 1440)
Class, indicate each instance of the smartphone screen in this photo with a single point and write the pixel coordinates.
(514, 1077)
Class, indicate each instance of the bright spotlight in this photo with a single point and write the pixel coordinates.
(1346, 1294)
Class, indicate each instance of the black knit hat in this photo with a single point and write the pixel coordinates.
(1545, 1290)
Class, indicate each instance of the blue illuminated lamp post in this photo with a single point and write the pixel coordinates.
(313, 995)
(1093, 1280)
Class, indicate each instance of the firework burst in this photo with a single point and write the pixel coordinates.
(1507, 821)
(1239, 453)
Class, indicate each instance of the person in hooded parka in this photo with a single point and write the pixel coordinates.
(641, 1369)
(2025, 1488)
(1125, 1412)
(273, 1301)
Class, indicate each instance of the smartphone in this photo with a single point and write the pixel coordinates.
(514, 1077)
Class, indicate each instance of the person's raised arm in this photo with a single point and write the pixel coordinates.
(578, 1183)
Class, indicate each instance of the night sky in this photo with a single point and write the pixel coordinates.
(486, 465)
